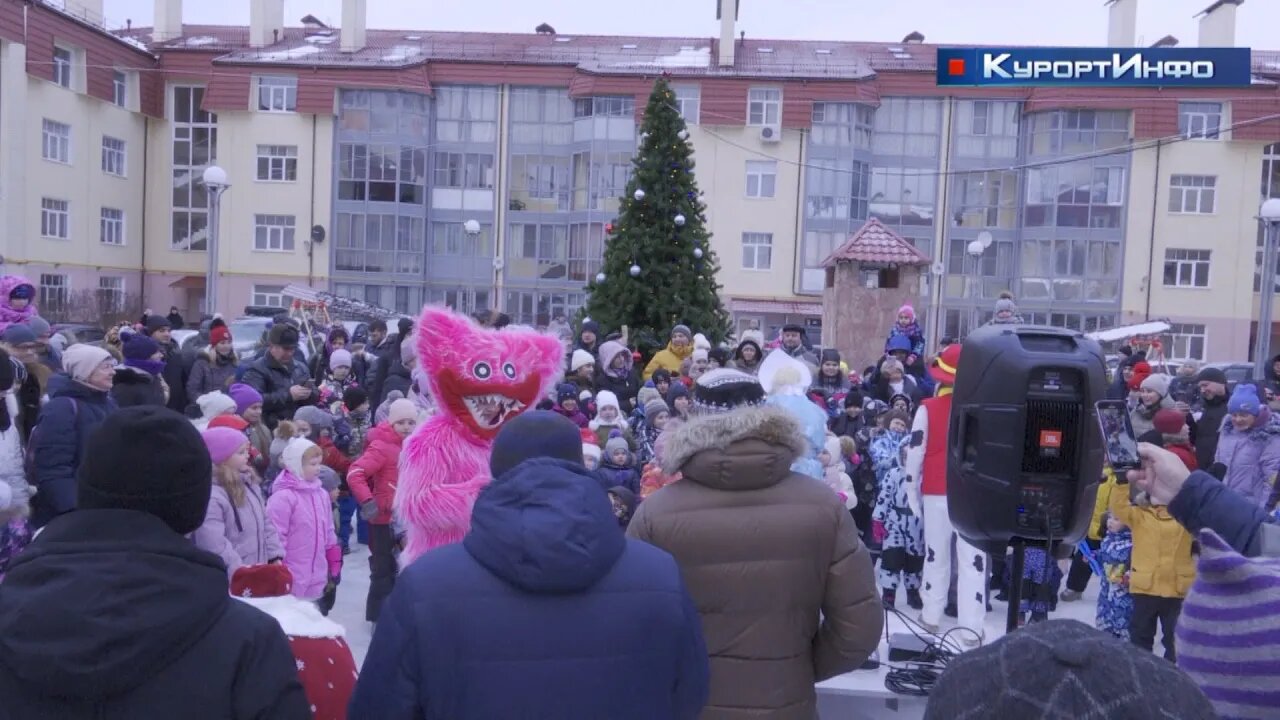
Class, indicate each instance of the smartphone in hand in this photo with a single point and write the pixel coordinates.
(1117, 436)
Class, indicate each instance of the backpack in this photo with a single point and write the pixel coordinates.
(29, 456)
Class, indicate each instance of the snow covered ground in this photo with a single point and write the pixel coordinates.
(348, 611)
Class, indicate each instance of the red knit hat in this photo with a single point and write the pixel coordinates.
(235, 422)
(1168, 421)
(218, 333)
(589, 436)
(259, 581)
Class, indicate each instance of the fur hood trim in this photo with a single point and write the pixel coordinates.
(297, 618)
(770, 425)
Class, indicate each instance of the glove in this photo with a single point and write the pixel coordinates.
(878, 531)
(333, 554)
(369, 509)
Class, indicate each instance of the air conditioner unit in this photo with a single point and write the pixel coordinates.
(770, 134)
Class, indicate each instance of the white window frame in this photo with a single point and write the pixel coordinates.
(280, 163)
(268, 296)
(115, 156)
(1188, 193)
(120, 88)
(55, 141)
(64, 65)
(1188, 264)
(688, 101)
(55, 219)
(111, 286)
(757, 251)
(764, 106)
(111, 227)
(1187, 334)
(275, 233)
(1197, 122)
(55, 291)
(762, 179)
(277, 94)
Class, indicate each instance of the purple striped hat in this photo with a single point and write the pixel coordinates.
(1229, 631)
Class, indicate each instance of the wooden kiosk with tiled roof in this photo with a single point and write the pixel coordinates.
(875, 272)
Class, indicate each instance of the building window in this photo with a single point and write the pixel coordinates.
(1070, 270)
(762, 178)
(56, 145)
(111, 294)
(277, 93)
(273, 233)
(540, 183)
(903, 196)
(757, 251)
(382, 173)
(278, 163)
(195, 145)
(986, 199)
(987, 128)
(1186, 268)
(451, 239)
(464, 170)
(466, 114)
(113, 156)
(55, 217)
(1068, 132)
(907, 126)
(1202, 120)
(837, 191)
(604, 107)
(268, 296)
(111, 227)
(119, 88)
(1075, 194)
(688, 102)
(1187, 341)
(541, 116)
(381, 243)
(842, 124)
(1194, 194)
(764, 106)
(63, 64)
(538, 251)
(54, 292)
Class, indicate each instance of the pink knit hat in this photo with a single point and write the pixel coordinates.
(908, 310)
(223, 442)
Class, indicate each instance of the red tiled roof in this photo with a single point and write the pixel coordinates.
(875, 244)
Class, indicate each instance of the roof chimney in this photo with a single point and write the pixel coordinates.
(915, 38)
(355, 17)
(168, 21)
(1166, 41)
(266, 22)
(727, 14)
(1122, 24)
(1218, 24)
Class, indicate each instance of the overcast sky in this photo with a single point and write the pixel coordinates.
(1028, 22)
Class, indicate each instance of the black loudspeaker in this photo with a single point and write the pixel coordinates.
(1024, 454)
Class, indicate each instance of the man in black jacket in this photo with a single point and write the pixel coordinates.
(285, 385)
(175, 371)
(111, 612)
(1205, 429)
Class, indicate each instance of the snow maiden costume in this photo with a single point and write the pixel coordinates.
(479, 378)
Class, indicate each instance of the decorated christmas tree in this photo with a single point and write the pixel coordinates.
(659, 269)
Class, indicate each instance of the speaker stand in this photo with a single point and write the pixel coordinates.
(1015, 583)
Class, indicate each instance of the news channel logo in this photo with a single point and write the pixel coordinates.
(1096, 67)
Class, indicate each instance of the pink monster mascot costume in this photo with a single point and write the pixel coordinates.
(479, 378)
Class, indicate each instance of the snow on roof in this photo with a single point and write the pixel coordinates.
(200, 41)
(685, 57)
(293, 53)
(1156, 327)
(134, 42)
(401, 53)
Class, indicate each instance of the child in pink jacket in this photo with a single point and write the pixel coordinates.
(301, 510)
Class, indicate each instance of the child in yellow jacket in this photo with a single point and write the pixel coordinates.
(1161, 569)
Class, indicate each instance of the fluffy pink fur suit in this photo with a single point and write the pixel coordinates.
(445, 464)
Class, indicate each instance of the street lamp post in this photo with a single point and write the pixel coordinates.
(1269, 216)
(216, 182)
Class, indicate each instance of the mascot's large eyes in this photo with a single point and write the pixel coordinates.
(509, 370)
(481, 370)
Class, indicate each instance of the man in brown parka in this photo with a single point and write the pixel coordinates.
(771, 558)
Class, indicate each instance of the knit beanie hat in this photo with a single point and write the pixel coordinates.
(139, 347)
(214, 404)
(354, 397)
(283, 335)
(581, 357)
(402, 409)
(39, 326)
(81, 360)
(606, 398)
(1244, 399)
(1064, 669)
(677, 390)
(723, 390)
(20, 334)
(291, 457)
(1157, 383)
(720, 356)
(328, 478)
(592, 450)
(682, 330)
(1213, 375)
(1168, 421)
(654, 408)
(235, 422)
(700, 342)
(647, 394)
(317, 418)
(408, 350)
(907, 310)
(534, 434)
(223, 442)
(156, 322)
(245, 397)
(150, 459)
(218, 333)
(339, 358)
(23, 291)
(566, 391)
(617, 442)
(1228, 634)
(853, 399)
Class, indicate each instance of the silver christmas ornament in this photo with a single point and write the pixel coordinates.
(683, 134)
(697, 252)
(599, 278)
(680, 220)
(639, 195)
(635, 271)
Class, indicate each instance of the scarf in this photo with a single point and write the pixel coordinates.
(155, 367)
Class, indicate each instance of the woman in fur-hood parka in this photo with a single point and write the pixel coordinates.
(771, 558)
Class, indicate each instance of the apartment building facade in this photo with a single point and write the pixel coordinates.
(481, 170)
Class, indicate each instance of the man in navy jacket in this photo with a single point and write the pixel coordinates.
(545, 610)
